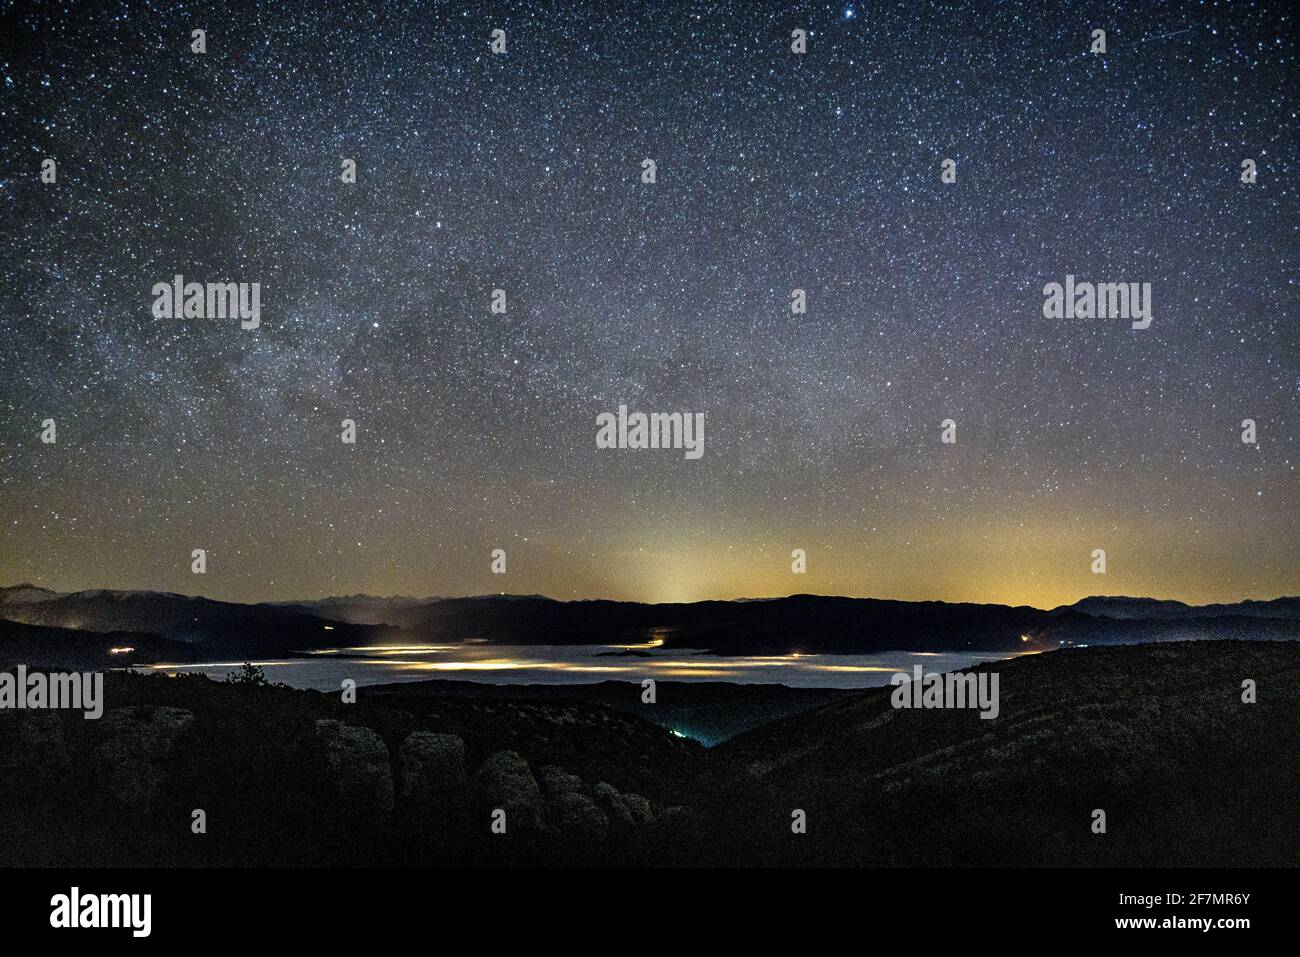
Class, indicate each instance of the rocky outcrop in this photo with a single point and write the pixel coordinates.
(576, 813)
(505, 781)
(623, 810)
(358, 771)
(138, 744)
(557, 781)
(567, 807)
(432, 768)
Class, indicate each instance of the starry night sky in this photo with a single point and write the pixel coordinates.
(775, 171)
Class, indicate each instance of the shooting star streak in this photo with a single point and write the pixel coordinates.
(1163, 36)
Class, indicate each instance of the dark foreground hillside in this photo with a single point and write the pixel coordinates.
(706, 711)
(295, 777)
(1156, 736)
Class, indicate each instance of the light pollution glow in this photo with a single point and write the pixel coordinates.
(477, 431)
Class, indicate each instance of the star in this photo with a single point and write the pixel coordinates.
(777, 171)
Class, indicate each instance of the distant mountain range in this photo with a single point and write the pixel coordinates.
(183, 628)
(1120, 607)
(163, 625)
(362, 609)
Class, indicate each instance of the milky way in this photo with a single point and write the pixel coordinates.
(776, 171)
